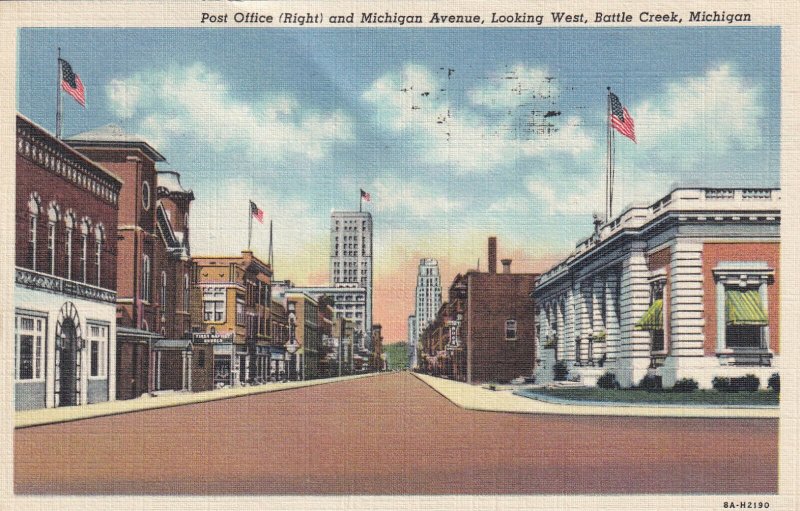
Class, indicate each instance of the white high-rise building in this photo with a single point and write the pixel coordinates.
(351, 259)
(428, 295)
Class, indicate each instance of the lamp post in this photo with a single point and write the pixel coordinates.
(291, 346)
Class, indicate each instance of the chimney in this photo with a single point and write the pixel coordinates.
(492, 255)
(506, 265)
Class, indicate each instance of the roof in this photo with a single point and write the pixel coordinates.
(170, 180)
(136, 332)
(172, 344)
(113, 135)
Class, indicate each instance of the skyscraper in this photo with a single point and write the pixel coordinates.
(351, 264)
(428, 295)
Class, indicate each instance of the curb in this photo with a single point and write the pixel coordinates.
(623, 404)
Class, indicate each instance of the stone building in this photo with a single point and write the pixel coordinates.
(686, 287)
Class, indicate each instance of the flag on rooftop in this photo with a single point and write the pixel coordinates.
(71, 83)
(621, 120)
(256, 212)
(365, 195)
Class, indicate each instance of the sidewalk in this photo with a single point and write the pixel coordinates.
(473, 397)
(28, 418)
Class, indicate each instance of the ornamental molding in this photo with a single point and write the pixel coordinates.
(50, 283)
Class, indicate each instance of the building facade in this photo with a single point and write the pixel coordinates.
(412, 339)
(66, 274)
(427, 297)
(686, 287)
(232, 312)
(351, 262)
(305, 333)
(484, 332)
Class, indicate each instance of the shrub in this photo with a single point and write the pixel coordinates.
(685, 385)
(650, 382)
(748, 383)
(608, 381)
(560, 371)
(774, 382)
(721, 384)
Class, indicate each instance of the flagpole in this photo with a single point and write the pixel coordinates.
(58, 97)
(360, 200)
(609, 162)
(271, 262)
(249, 224)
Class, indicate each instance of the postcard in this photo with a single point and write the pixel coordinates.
(348, 255)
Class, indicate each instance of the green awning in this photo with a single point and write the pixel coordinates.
(653, 319)
(744, 308)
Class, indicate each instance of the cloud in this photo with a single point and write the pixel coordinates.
(196, 102)
(397, 196)
(475, 135)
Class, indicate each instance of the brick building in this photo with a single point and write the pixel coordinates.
(484, 332)
(153, 243)
(304, 329)
(686, 287)
(66, 274)
(231, 311)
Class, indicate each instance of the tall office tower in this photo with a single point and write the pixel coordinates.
(428, 295)
(351, 264)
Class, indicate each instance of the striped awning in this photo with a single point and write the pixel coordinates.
(653, 319)
(744, 308)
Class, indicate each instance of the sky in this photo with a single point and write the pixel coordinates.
(457, 134)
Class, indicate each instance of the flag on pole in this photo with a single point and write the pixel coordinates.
(256, 212)
(71, 83)
(621, 120)
(365, 196)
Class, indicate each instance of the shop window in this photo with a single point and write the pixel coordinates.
(98, 349)
(29, 349)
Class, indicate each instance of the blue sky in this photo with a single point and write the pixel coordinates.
(299, 119)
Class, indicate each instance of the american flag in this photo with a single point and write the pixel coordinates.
(71, 83)
(256, 212)
(365, 195)
(621, 120)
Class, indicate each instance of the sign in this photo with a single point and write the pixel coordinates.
(212, 338)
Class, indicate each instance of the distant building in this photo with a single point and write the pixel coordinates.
(484, 332)
(412, 341)
(66, 274)
(304, 328)
(686, 287)
(427, 298)
(351, 263)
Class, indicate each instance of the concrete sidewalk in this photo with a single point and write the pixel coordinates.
(473, 397)
(28, 418)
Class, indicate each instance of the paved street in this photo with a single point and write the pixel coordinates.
(389, 434)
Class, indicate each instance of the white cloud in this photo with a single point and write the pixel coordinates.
(197, 102)
(414, 102)
(395, 195)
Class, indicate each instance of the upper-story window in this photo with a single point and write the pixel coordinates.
(240, 316)
(511, 329)
(214, 304)
(86, 226)
(34, 209)
(186, 292)
(53, 216)
(99, 239)
(146, 278)
(145, 195)
(163, 291)
(69, 227)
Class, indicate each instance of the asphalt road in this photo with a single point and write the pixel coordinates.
(389, 434)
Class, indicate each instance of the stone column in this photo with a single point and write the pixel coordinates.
(598, 309)
(584, 321)
(612, 321)
(560, 341)
(569, 327)
(633, 355)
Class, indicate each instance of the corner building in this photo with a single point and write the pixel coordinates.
(686, 287)
(65, 276)
(351, 266)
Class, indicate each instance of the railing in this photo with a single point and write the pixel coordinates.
(53, 284)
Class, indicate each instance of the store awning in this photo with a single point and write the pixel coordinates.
(653, 319)
(744, 308)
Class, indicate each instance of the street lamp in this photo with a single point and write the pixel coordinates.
(291, 346)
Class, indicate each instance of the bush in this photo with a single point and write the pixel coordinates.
(749, 383)
(685, 385)
(560, 371)
(650, 382)
(774, 382)
(608, 381)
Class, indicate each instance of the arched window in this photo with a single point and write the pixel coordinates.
(146, 279)
(186, 292)
(69, 226)
(53, 216)
(34, 208)
(99, 239)
(163, 297)
(86, 226)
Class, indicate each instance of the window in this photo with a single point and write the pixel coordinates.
(28, 360)
(745, 318)
(34, 207)
(85, 226)
(98, 348)
(511, 329)
(214, 304)
(69, 224)
(240, 316)
(145, 195)
(146, 279)
(186, 292)
(99, 238)
(163, 292)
